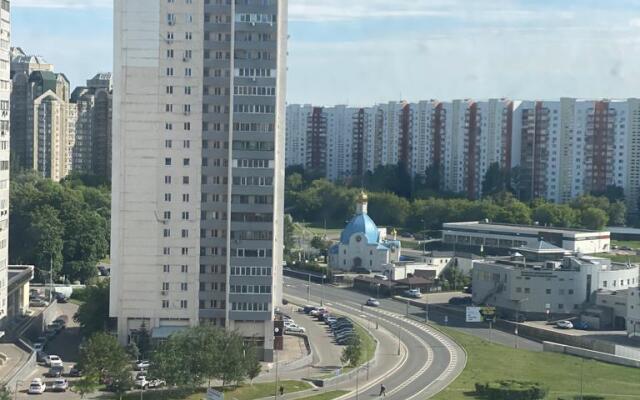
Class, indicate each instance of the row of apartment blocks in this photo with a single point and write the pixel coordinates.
(54, 130)
(563, 148)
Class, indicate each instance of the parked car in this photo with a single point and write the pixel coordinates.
(38, 346)
(60, 298)
(460, 301)
(141, 382)
(156, 383)
(55, 372)
(142, 364)
(415, 293)
(60, 385)
(330, 320)
(41, 356)
(38, 303)
(581, 325)
(467, 289)
(75, 371)
(37, 386)
(406, 234)
(564, 324)
(53, 361)
(308, 309)
(373, 303)
(294, 329)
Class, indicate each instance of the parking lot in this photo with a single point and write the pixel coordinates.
(65, 345)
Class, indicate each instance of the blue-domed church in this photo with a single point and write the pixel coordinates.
(362, 244)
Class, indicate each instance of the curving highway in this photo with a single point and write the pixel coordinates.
(433, 360)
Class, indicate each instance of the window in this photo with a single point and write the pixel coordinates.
(184, 304)
(166, 268)
(165, 303)
(167, 161)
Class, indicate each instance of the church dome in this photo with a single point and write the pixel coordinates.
(362, 224)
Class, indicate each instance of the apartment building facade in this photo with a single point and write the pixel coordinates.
(5, 96)
(560, 148)
(93, 105)
(198, 166)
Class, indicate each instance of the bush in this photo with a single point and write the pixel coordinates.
(511, 390)
(586, 397)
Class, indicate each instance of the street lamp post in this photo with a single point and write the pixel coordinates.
(518, 318)
(398, 339)
(322, 291)
(275, 355)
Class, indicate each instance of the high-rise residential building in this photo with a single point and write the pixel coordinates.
(5, 95)
(198, 166)
(93, 104)
(556, 150)
(50, 136)
(22, 66)
(296, 143)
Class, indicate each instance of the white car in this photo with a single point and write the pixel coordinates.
(564, 324)
(60, 385)
(53, 361)
(141, 382)
(156, 383)
(295, 329)
(37, 386)
(142, 364)
(415, 293)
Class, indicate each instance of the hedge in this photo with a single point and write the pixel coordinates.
(511, 390)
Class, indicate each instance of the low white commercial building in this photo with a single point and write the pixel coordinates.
(561, 287)
(486, 235)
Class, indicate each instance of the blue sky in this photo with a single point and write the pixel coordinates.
(360, 52)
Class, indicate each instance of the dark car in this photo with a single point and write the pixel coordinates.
(581, 325)
(60, 298)
(460, 301)
(308, 309)
(55, 372)
(75, 372)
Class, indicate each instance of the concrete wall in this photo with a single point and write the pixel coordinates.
(594, 355)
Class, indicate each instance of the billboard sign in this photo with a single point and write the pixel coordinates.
(473, 314)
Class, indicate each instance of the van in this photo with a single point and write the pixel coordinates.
(381, 277)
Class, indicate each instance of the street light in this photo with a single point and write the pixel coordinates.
(275, 355)
(322, 291)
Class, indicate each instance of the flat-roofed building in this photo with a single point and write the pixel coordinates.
(563, 287)
(486, 235)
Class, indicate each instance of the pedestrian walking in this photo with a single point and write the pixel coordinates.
(281, 390)
(383, 391)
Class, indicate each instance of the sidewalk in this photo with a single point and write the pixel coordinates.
(386, 362)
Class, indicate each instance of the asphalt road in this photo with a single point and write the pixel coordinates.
(433, 361)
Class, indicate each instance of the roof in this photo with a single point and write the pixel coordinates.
(542, 247)
(164, 332)
(508, 228)
(361, 223)
(414, 280)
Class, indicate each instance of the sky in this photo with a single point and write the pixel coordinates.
(361, 52)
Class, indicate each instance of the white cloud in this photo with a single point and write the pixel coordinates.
(339, 10)
(63, 3)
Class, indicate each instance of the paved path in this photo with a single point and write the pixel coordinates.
(433, 360)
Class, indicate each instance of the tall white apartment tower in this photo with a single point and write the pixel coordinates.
(5, 94)
(198, 166)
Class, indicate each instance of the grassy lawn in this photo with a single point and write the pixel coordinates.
(327, 396)
(620, 257)
(561, 373)
(246, 392)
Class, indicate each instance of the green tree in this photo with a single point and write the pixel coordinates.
(617, 213)
(93, 314)
(388, 209)
(5, 393)
(103, 357)
(495, 180)
(454, 279)
(86, 385)
(594, 218)
(352, 354)
(252, 363)
(133, 351)
(233, 368)
(143, 340)
(289, 241)
(555, 215)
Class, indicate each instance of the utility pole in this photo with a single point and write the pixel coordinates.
(398, 339)
(50, 277)
(275, 354)
(309, 290)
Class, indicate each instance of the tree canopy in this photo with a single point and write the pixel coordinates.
(60, 225)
